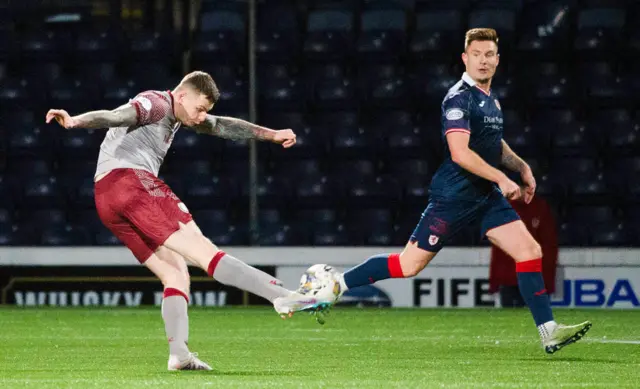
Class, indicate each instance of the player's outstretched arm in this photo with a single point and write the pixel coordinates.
(513, 162)
(238, 129)
(124, 116)
(469, 160)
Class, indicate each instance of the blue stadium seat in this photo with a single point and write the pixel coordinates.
(329, 35)
(592, 189)
(282, 94)
(66, 235)
(434, 34)
(46, 45)
(271, 190)
(103, 237)
(73, 94)
(330, 235)
(277, 40)
(600, 29)
(316, 191)
(335, 94)
(372, 191)
(103, 72)
(278, 235)
(42, 192)
(545, 29)
(189, 145)
(573, 140)
(41, 72)
(97, 46)
(205, 191)
(15, 235)
(146, 46)
(591, 215)
(6, 216)
(226, 235)
(502, 20)
(30, 142)
(352, 142)
(612, 234)
(211, 216)
(572, 235)
(354, 169)
(20, 168)
(409, 170)
(222, 37)
(14, 94)
(43, 218)
(80, 144)
(118, 92)
(382, 33)
(615, 128)
(318, 216)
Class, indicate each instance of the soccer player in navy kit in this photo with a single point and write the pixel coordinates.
(469, 188)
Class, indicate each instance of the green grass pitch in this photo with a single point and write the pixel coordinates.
(357, 348)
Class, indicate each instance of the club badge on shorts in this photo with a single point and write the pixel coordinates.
(498, 104)
(433, 240)
(183, 207)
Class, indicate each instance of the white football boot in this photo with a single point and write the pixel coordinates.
(296, 302)
(563, 335)
(192, 362)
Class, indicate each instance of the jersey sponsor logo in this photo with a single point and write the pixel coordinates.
(433, 240)
(146, 103)
(498, 105)
(454, 114)
(493, 120)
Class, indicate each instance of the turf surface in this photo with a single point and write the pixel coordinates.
(369, 348)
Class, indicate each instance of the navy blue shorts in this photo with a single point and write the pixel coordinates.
(445, 217)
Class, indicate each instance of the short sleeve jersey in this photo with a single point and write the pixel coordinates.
(144, 145)
(466, 108)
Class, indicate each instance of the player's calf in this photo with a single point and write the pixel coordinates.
(409, 263)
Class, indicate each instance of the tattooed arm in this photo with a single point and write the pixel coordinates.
(124, 116)
(238, 129)
(510, 160)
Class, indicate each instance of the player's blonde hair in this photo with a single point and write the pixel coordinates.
(480, 34)
(203, 83)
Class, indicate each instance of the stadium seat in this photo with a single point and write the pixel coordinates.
(42, 73)
(610, 234)
(222, 37)
(572, 235)
(211, 216)
(45, 45)
(282, 94)
(14, 94)
(382, 34)
(277, 40)
(66, 235)
(434, 34)
(202, 192)
(96, 46)
(14, 235)
(600, 29)
(316, 191)
(189, 145)
(80, 144)
(592, 215)
(330, 235)
(42, 192)
(275, 191)
(502, 20)
(147, 45)
(31, 142)
(73, 94)
(545, 29)
(329, 35)
(226, 235)
(118, 92)
(352, 142)
(373, 191)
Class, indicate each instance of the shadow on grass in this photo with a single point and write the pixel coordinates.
(558, 359)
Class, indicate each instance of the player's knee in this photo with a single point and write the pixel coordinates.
(412, 266)
(529, 252)
(536, 251)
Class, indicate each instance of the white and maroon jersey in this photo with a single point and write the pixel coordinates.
(144, 145)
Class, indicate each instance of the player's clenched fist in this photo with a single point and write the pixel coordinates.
(509, 189)
(62, 117)
(286, 138)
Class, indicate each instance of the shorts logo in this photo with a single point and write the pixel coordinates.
(454, 114)
(146, 103)
(433, 240)
(183, 207)
(498, 105)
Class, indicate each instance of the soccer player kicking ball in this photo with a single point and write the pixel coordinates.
(148, 217)
(468, 188)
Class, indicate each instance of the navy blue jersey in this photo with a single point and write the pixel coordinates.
(467, 108)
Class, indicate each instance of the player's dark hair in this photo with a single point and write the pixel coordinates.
(203, 83)
(480, 34)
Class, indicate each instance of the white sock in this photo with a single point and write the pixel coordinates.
(546, 329)
(343, 285)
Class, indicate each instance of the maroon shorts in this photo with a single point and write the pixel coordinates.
(140, 210)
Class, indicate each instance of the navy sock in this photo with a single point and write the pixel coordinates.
(379, 267)
(533, 292)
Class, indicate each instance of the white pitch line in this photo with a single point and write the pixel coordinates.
(618, 341)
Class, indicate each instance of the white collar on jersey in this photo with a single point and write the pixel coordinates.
(467, 78)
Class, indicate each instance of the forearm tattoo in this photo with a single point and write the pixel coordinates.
(125, 116)
(510, 160)
(232, 128)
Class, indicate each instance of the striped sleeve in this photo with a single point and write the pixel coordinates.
(455, 114)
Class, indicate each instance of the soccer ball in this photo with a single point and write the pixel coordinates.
(320, 281)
